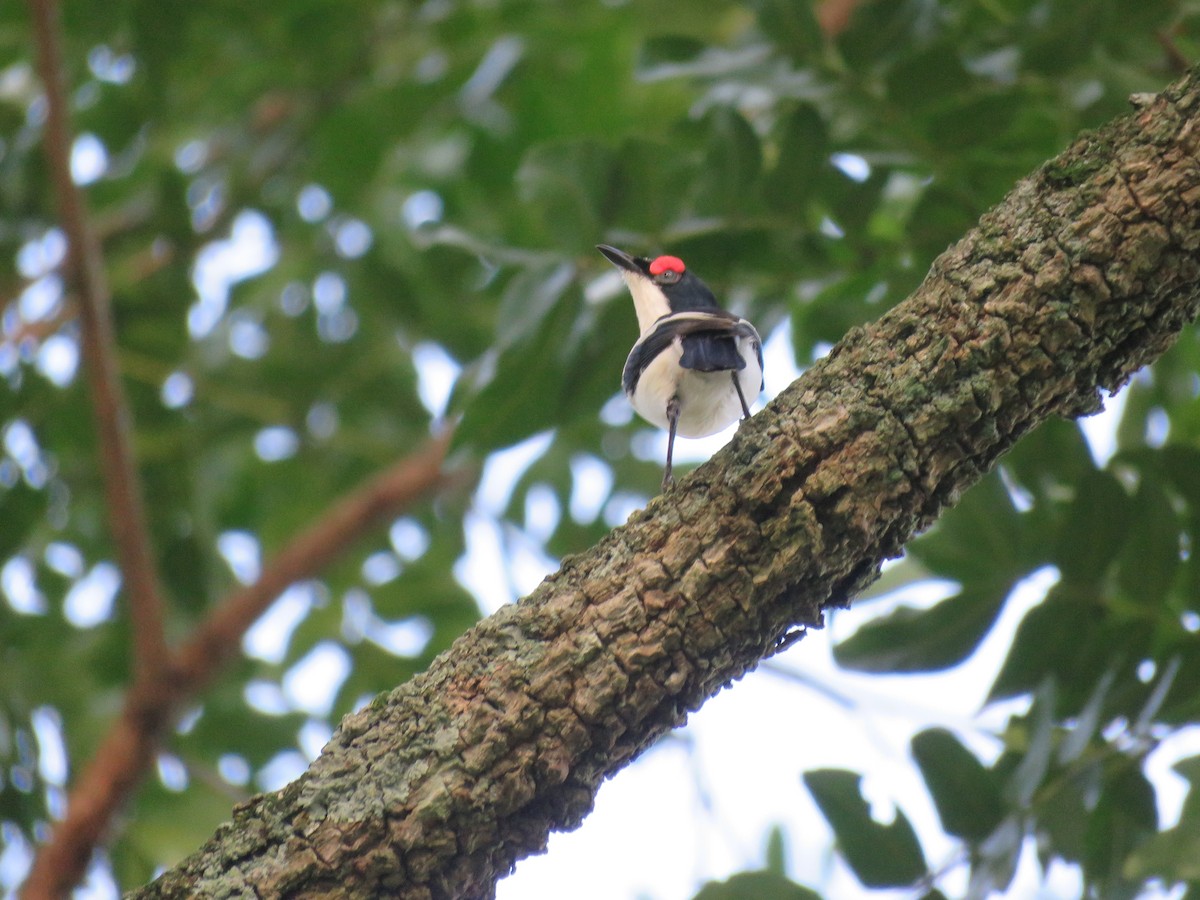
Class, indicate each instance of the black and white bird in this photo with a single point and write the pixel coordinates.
(695, 365)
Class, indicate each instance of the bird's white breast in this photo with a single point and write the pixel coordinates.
(708, 401)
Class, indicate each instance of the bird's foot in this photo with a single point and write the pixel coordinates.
(668, 480)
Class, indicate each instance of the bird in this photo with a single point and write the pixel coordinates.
(694, 364)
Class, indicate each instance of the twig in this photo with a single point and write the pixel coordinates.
(219, 636)
(126, 511)
(833, 16)
(1177, 60)
(41, 329)
(128, 750)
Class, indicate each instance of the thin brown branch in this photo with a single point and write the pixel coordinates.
(393, 489)
(833, 16)
(126, 512)
(41, 329)
(108, 780)
(1177, 60)
(136, 269)
(128, 750)
(162, 681)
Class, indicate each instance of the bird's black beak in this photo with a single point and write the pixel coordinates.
(623, 260)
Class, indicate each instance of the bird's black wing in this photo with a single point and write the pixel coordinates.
(710, 341)
(708, 338)
(711, 351)
(643, 352)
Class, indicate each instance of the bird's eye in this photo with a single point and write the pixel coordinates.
(667, 276)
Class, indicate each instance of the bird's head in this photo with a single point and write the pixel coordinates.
(659, 286)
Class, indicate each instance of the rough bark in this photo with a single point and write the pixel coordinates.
(1083, 274)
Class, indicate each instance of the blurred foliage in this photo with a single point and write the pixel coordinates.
(311, 210)
(770, 883)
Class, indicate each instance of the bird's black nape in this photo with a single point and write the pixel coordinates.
(689, 294)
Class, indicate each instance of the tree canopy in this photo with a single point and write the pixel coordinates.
(305, 214)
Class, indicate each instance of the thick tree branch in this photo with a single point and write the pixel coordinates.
(126, 512)
(1084, 273)
(128, 750)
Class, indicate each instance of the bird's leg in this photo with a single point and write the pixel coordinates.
(737, 386)
(673, 422)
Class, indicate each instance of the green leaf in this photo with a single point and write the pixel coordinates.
(1038, 745)
(939, 215)
(1181, 464)
(21, 509)
(570, 187)
(1053, 456)
(852, 204)
(166, 823)
(352, 138)
(1076, 640)
(1149, 713)
(996, 862)
(1095, 529)
(732, 161)
(756, 886)
(980, 540)
(793, 27)
(926, 78)
(663, 54)
(882, 31)
(561, 373)
(228, 725)
(1150, 557)
(1125, 817)
(776, 852)
(1046, 642)
(960, 125)
(1063, 808)
(803, 155)
(529, 297)
(1174, 854)
(653, 181)
(880, 855)
(965, 793)
(840, 306)
(521, 398)
(1088, 722)
(924, 640)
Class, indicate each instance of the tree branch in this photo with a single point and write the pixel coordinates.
(833, 16)
(128, 750)
(309, 552)
(126, 511)
(1084, 273)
